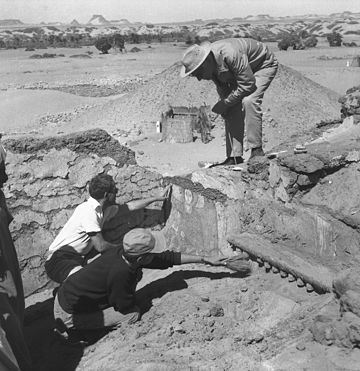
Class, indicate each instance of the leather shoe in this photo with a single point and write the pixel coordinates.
(230, 161)
(256, 152)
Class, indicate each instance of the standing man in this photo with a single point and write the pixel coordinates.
(102, 294)
(242, 69)
(81, 239)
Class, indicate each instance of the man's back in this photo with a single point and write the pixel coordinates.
(86, 218)
(255, 51)
(108, 281)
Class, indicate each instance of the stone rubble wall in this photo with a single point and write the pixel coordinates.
(48, 179)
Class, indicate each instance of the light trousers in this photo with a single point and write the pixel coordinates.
(107, 318)
(248, 114)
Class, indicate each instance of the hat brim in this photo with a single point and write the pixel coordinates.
(207, 51)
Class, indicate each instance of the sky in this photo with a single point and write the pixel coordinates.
(161, 11)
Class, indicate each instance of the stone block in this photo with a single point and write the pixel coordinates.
(274, 174)
(303, 163)
(26, 217)
(339, 195)
(348, 279)
(33, 244)
(350, 302)
(83, 170)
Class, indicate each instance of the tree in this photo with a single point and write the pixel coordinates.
(283, 44)
(118, 42)
(135, 38)
(291, 40)
(103, 45)
(334, 39)
(311, 42)
(197, 40)
(189, 40)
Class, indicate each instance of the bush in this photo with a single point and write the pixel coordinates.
(283, 44)
(103, 45)
(292, 40)
(334, 39)
(311, 42)
(189, 40)
(351, 44)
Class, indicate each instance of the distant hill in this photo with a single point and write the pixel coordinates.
(259, 17)
(119, 22)
(75, 23)
(10, 22)
(98, 20)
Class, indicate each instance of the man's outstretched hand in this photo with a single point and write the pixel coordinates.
(220, 108)
(214, 261)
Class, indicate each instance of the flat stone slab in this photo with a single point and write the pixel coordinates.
(282, 258)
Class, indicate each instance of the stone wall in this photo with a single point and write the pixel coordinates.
(48, 179)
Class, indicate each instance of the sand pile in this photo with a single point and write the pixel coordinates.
(292, 104)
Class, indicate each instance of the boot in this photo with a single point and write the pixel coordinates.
(230, 161)
(256, 152)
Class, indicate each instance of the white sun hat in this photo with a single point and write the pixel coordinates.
(194, 57)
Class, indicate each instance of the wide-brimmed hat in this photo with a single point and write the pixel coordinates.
(138, 241)
(194, 58)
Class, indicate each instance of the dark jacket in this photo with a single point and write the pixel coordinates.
(108, 282)
(237, 60)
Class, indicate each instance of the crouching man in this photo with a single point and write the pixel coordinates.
(81, 237)
(102, 294)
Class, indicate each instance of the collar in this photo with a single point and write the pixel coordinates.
(94, 203)
(220, 64)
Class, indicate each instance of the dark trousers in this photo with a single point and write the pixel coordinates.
(62, 262)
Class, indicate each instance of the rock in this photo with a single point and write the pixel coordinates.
(347, 280)
(301, 163)
(216, 311)
(300, 347)
(179, 329)
(258, 165)
(350, 302)
(339, 195)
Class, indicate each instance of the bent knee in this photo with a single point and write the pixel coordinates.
(251, 101)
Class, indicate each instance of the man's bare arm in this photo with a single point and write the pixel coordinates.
(140, 204)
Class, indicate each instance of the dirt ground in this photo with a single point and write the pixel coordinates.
(195, 318)
(198, 318)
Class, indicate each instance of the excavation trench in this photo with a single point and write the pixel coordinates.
(204, 317)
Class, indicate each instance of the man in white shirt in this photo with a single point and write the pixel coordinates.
(81, 236)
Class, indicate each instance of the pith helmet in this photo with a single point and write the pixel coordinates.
(194, 57)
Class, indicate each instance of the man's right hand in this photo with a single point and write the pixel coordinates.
(134, 316)
(214, 261)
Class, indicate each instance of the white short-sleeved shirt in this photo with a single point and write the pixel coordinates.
(87, 218)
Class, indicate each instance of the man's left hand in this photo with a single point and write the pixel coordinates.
(167, 194)
(220, 108)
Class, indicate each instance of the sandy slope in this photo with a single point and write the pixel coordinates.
(22, 109)
(292, 105)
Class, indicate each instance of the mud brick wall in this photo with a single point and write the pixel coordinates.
(48, 179)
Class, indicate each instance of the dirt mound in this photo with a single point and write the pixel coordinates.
(292, 104)
(93, 141)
